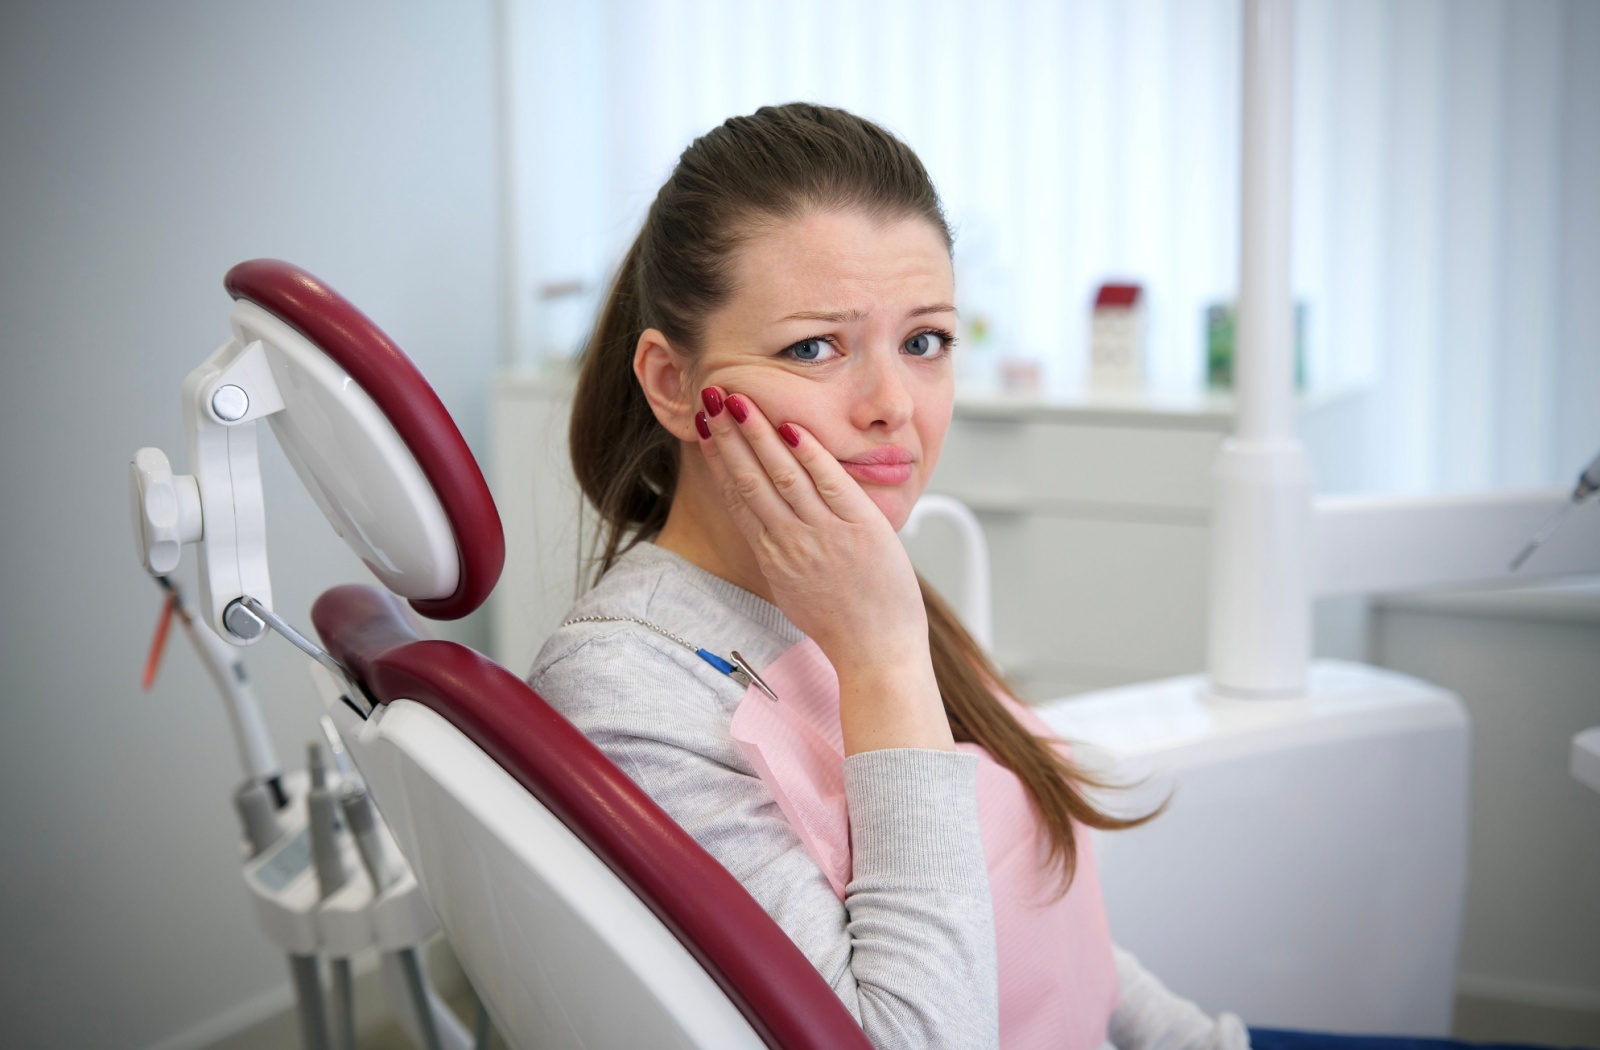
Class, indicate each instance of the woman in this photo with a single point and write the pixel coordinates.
(763, 400)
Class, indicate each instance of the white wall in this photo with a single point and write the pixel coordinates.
(144, 149)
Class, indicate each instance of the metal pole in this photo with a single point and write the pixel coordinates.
(1260, 628)
(308, 994)
(1264, 370)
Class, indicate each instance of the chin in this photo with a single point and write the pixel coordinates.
(895, 504)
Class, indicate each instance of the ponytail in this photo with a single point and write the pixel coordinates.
(969, 684)
(626, 463)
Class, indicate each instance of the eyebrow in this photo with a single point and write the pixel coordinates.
(841, 316)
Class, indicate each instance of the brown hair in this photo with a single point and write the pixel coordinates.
(772, 166)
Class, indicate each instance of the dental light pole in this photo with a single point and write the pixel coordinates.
(1260, 626)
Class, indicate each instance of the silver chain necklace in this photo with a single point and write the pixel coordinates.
(738, 668)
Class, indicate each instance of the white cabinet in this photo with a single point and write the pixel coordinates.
(1097, 517)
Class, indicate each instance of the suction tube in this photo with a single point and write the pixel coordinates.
(222, 663)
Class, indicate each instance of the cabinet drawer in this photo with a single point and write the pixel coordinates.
(1101, 594)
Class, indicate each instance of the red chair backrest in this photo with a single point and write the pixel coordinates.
(767, 978)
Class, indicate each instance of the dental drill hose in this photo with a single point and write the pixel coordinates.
(356, 805)
(308, 993)
(322, 815)
(222, 663)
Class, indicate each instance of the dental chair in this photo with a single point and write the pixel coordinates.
(583, 916)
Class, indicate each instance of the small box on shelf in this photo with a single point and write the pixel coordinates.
(1221, 336)
(1117, 332)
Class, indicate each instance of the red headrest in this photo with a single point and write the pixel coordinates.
(395, 385)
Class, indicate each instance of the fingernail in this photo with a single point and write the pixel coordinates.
(790, 435)
(713, 401)
(736, 408)
(701, 425)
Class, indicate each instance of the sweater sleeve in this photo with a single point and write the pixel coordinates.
(910, 950)
(1151, 1017)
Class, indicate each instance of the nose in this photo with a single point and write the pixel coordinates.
(882, 396)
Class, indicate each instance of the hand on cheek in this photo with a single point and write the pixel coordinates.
(832, 560)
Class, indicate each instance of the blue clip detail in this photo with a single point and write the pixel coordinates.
(716, 661)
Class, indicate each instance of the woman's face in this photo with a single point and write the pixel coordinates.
(842, 324)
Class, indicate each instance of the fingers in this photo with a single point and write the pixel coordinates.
(751, 493)
(758, 460)
(841, 494)
(774, 453)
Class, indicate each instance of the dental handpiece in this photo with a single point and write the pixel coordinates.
(356, 805)
(1588, 485)
(322, 814)
(1588, 481)
(258, 814)
(359, 814)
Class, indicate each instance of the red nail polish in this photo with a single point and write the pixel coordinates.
(701, 425)
(790, 435)
(736, 408)
(713, 401)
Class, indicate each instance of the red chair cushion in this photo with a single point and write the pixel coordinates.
(776, 988)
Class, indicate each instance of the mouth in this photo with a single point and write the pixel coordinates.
(890, 465)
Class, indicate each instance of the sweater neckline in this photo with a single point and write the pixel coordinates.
(751, 606)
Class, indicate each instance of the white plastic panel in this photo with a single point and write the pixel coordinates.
(564, 954)
(354, 464)
(1377, 544)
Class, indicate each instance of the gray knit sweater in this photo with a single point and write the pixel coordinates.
(910, 950)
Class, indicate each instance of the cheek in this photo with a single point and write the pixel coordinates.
(782, 398)
(933, 423)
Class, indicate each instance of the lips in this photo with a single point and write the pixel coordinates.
(890, 465)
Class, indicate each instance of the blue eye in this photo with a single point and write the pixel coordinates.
(815, 349)
(929, 344)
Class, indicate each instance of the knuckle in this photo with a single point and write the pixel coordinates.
(831, 488)
(787, 482)
(747, 486)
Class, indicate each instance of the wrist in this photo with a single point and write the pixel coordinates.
(876, 652)
(889, 704)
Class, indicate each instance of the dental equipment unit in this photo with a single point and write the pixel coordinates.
(276, 822)
(581, 913)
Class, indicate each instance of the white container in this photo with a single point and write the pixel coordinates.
(1311, 869)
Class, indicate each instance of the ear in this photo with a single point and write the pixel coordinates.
(663, 374)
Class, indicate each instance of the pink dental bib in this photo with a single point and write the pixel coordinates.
(1058, 982)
